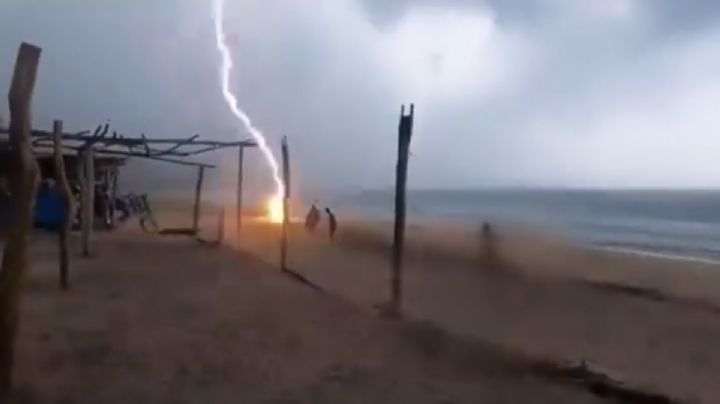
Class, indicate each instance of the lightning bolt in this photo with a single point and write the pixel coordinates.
(232, 101)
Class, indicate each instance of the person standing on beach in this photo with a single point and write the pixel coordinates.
(332, 223)
(312, 218)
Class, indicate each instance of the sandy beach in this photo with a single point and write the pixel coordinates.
(652, 323)
(152, 320)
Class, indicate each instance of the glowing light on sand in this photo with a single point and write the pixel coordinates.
(275, 209)
(242, 117)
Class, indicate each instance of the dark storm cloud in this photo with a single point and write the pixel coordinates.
(509, 92)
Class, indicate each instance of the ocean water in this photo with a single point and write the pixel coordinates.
(673, 224)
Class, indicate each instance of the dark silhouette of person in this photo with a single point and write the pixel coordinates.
(313, 218)
(332, 223)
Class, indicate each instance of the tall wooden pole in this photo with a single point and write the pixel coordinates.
(88, 199)
(239, 207)
(23, 184)
(63, 189)
(286, 208)
(404, 138)
(221, 227)
(198, 200)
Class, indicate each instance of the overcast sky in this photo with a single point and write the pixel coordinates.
(592, 93)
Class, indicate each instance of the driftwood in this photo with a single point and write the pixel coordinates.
(177, 232)
(600, 383)
(24, 187)
(63, 186)
(404, 137)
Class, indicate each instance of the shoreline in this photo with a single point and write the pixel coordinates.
(658, 255)
(645, 320)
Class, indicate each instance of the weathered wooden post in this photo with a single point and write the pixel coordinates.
(285, 201)
(221, 227)
(113, 195)
(23, 183)
(88, 198)
(198, 200)
(63, 187)
(239, 207)
(404, 138)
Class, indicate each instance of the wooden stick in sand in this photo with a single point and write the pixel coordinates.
(24, 187)
(239, 207)
(63, 187)
(221, 227)
(404, 137)
(198, 200)
(87, 176)
(286, 208)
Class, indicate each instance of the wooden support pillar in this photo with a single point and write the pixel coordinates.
(88, 198)
(286, 208)
(404, 138)
(198, 200)
(221, 227)
(23, 184)
(113, 194)
(63, 187)
(239, 207)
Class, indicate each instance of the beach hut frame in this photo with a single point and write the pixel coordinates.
(107, 150)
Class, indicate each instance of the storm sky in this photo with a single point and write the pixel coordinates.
(571, 93)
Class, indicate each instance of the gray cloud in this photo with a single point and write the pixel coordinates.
(667, 15)
(545, 92)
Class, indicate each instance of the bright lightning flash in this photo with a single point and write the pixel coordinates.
(275, 210)
(274, 213)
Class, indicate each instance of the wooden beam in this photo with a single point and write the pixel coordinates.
(198, 200)
(239, 201)
(156, 158)
(63, 188)
(84, 136)
(142, 156)
(24, 187)
(88, 199)
(286, 208)
(404, 138)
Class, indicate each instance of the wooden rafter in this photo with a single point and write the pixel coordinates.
(169, 150)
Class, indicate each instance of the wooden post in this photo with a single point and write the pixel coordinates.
(221, 227)
(88, 198)
(198, 200)
(63, 188)
(24, 187)
(239, 207)
(286, 208)
(405, 135)
(113, 195)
